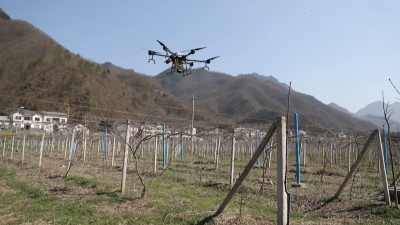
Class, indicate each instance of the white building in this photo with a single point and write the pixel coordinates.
(27, 119)
(53, 120)
(121, 129)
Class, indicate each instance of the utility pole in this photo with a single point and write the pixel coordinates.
(192, 147)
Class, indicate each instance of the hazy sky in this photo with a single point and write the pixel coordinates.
(338, 51)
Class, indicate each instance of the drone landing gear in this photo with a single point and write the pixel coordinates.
(152, 59)
(188, 72)
(172, 69)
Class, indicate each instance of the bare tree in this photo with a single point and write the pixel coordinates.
(387, 114)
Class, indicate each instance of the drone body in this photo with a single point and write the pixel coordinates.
(179, 61)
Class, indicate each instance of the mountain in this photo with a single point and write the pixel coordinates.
(380, 121)
(267, 78)
(4, 15)
(376, 109)
(248, 99)
(336, 106)
(38, 73)
(374, 113)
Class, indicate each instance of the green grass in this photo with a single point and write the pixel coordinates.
(33, 205)
(90, 195)
(79, 180)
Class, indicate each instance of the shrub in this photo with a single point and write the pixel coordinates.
(134, 104)
(58, 56)
(81, 63)
(2, 70)
(104, 74)
(74, 79)
(67, 55)
(63, 93)
(38, 61)
(88, 66)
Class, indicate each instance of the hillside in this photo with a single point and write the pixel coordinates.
(247, 98)
(376, 109)
(379, 121)
(336, 106)
(38, 73)
(267, 78)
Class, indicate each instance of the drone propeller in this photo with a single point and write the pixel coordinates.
(209, 60)
(165, 48)
(152, 53)
(192, 51)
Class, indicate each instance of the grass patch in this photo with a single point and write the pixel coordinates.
(107, 192)
(82, 181)
(25, 189)
(385, 211)
(6, 174)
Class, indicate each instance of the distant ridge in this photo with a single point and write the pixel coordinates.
(4, 15)
(267, 78)
(373, 112)
(334, 105)
(39, 74)
(247, 98)
(376, 109)
(380, 121)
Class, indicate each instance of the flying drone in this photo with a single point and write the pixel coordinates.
(179, 61)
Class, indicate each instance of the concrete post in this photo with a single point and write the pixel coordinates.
(354, 167)
(246, 171)
(155, 156)
(349, 155)
(23, 149)
(125, 162)
(41, 151)
(71, 151)
(12, 148)
(232, 161)
(383, 169)
(113, 152)
(281, 170)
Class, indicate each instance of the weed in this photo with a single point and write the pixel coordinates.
(2, 70)
(78, 180)
(73, 79)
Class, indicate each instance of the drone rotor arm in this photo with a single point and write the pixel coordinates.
(165, 48)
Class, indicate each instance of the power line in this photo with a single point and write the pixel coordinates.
(104, 109)
(342, 85)
(333, 78)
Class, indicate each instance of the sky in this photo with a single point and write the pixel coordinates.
(337, 51)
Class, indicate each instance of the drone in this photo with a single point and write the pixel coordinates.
(179, 61)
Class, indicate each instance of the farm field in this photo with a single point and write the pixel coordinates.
(187, 192)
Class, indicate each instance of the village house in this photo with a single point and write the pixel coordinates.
(53, 120)
(31, 120)
(121, 129)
